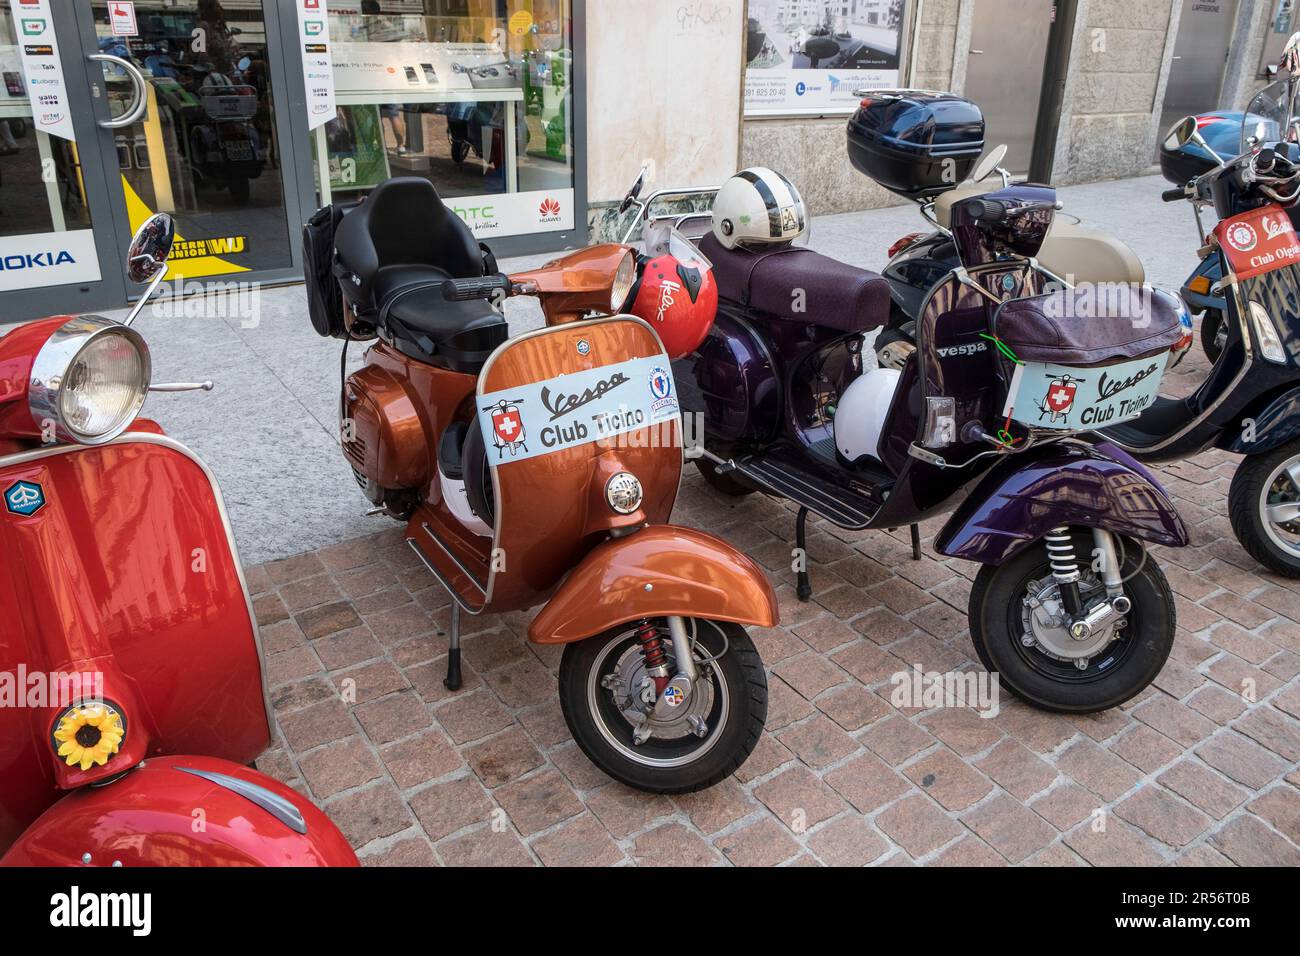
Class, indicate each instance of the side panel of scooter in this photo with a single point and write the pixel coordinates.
(1027, 495)
(123, 565)
(1275, 423)
(733, 380)
(184, 811)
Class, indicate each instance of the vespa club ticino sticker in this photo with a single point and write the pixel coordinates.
(578, 409)
(1078, 399)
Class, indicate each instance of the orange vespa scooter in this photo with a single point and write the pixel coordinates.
(543, 469)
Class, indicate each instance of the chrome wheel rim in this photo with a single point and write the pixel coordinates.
(1279, 506)
(673, 744)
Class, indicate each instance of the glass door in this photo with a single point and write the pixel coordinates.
(195, 129)
(53, 205)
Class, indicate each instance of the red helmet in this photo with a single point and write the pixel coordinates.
(676, 293)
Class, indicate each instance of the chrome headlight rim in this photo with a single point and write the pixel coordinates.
(623, 284)
(624, 493)
(59, 354)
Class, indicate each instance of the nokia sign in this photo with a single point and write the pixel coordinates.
(36, 260)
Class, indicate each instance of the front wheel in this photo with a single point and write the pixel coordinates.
(1214, 334)
(608, 701)
(1264, 506)
(1020, 630)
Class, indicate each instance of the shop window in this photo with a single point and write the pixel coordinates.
(473, 95)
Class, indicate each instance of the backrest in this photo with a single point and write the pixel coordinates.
(795, 283)
(403, 222)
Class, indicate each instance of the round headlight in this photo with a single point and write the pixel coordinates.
(90, 378)
(623, 492)
(624, 279)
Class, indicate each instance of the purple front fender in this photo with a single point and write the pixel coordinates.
(1026, 496)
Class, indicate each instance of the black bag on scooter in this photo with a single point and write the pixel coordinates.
(324, 297)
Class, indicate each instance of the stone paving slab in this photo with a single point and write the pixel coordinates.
(1201, 769)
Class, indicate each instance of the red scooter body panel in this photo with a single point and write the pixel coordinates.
(163, 815)
(127, 569)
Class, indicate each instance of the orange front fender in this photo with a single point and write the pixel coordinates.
(688, 573)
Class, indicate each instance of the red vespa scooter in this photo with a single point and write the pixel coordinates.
(127, 635)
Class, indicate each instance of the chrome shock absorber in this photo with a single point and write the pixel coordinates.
(1065, 569)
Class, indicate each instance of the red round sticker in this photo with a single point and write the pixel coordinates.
(1241, 236)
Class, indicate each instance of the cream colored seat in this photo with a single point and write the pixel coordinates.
(1071, 252)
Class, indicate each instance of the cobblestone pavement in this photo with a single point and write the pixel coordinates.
(1200, 769)
(1192, 771)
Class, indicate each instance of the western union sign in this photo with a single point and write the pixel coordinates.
(196, 248)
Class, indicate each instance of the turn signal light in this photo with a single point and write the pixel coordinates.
(1199, 285)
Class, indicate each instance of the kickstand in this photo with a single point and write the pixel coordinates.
(916, 542)
(801, 542)
(452, 681)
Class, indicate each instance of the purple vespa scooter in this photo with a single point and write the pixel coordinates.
(988, 413)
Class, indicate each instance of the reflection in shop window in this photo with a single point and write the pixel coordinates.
(473, 95)
(207, 149)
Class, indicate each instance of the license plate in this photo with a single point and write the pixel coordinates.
(1081, 399)
(239, 151)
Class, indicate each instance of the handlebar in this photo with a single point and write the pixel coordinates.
(1174, 195)
(993, 210)
(478, 287)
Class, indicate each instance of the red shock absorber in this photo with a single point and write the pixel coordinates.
(656, 656)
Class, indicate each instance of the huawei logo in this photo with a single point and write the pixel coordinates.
(549, 208)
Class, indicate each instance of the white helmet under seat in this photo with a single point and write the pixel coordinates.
(861, 413)
(758, 207)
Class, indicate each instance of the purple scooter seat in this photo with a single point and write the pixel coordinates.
(834, 294)
(1088, 325)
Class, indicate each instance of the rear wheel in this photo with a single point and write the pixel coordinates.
(1019, 630)
(608, 700)
(1264, 506)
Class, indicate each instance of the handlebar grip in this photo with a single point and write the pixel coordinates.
(1173, 195)
(986, 210)
(467, 290)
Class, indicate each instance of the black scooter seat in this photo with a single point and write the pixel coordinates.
(412, 307)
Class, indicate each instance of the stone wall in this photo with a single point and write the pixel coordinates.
(1114, 89)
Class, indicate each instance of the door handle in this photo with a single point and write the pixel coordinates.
(139, 88)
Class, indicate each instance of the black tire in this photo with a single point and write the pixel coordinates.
(1211, 326)
(728, 485)
(239, 191)
(1127, 666)
(1250, 485)
(729, 745)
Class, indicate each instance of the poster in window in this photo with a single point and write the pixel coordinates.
(810, 56)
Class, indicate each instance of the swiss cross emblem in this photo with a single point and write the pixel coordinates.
(1060, 397)
(508, 428)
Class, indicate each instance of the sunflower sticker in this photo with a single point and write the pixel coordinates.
(89, 734)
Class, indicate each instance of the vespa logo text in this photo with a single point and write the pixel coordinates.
(563, 404)
(131, 910)
(954, 351)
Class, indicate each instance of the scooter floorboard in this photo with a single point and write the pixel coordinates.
(837, 504)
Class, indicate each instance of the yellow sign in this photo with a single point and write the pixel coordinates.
(521, 22)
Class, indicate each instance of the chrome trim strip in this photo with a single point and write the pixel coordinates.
(146, 438)
(438, 575)
(272, 803)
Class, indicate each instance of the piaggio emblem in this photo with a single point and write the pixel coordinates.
(507, 428)
(1060, 397)
(24, 498)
